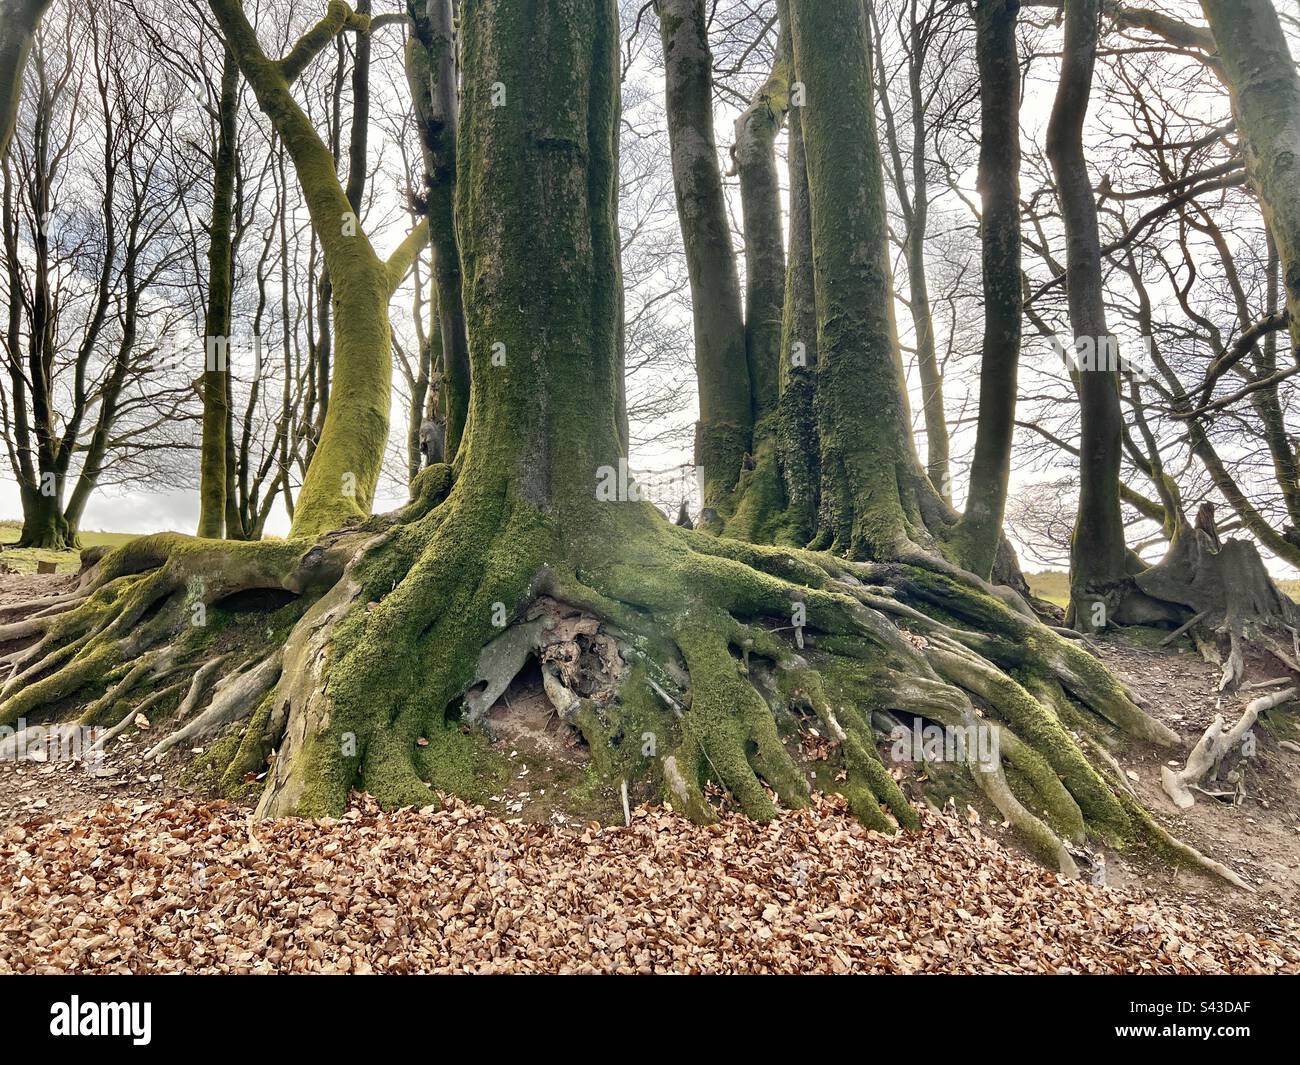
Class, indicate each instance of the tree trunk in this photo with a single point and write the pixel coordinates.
(754, 155)
(724, 433)
(656, 644)
(798, 450)
(340, 482)
(44, 525)
(18, 22)
(1097, 548)
(999, 186)
(873, 491)
(216, 449)
(431, 73)
(1261, 74)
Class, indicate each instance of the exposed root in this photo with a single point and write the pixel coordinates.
(1214, 746)
(234, 699)
(687, 662)
(1223, 598)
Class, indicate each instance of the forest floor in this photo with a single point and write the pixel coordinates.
(128, 866)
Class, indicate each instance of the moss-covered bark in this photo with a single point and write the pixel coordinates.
(431, 73)
(872, 486)
(754, 157)
(341, 478)
(719, 658)
(725, 429)
(797, 445)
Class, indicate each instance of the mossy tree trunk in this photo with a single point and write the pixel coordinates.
(754, 159)
(710, 657)
(1097, 549)
(797, 447)
(340, 482)
(431, 72)
(875, 498)
(724, 433)
(216, 446)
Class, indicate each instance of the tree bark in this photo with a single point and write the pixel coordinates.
(873, 490)
(340, 483)
(915, 207)
(724, 433)
(1097, 548)
(1261, 75)
(215, 449)
(999, 186)
(798, 449)
(754, 156)
(431, 72)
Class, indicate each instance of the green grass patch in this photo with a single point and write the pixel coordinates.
(24, 559)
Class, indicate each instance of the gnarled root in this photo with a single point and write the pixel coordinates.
(699, 667)
(751, 670)
(1223, 598)
(140, 615)
(1215, 745)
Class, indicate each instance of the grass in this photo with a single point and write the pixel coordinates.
(24, 559)
(1054, 586)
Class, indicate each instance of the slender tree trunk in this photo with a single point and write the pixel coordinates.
(1097, 549)
(754, 155)
(18, 22)
(798, 450)
(431, 73)
(724, 433)
(999, 186)
(51, 465)
(1261, 74)
(927, 357)
(216, 450)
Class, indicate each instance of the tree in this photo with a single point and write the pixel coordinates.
(679, 657)
(431, 70)
(94, 187)
(341, 478)
(1261, 73)
(724, 434)
(216, 375)
(999, 183)
(921, 27)
(1098, 556)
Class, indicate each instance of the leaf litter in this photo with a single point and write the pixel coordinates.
(183, 886)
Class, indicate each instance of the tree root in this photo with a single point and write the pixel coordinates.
(686, 661)
(1214, 746)
(234, 699)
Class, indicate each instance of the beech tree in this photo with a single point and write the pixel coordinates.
(682, 658)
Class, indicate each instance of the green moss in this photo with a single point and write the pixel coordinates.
(461, 763)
